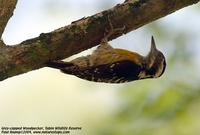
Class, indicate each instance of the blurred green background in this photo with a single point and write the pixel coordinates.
(169, 105)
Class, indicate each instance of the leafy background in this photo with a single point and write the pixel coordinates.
(169, 105)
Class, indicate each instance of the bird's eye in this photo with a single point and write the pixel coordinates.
(151, 71)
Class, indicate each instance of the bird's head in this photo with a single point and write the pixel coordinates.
(155, 62)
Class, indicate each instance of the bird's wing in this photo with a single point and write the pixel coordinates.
(117, 72)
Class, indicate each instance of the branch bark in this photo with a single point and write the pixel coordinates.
(6, 11)
(82, 34)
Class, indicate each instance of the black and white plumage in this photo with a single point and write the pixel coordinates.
(112, 65)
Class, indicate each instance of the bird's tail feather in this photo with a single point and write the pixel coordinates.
(59, 64)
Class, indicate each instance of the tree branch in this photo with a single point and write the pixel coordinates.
(6, 11)
(82, 34)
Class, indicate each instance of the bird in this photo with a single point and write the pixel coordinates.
(114, 65)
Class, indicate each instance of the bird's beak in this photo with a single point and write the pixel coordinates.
(153, 45)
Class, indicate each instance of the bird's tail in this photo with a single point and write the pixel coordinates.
(59, 64)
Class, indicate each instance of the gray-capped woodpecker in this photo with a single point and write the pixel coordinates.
(113, 65)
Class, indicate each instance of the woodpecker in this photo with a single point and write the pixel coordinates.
(113, 65)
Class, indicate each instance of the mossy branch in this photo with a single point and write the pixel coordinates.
(80, 35)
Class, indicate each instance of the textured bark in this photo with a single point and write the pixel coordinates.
(82, 34)
(6, 11)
